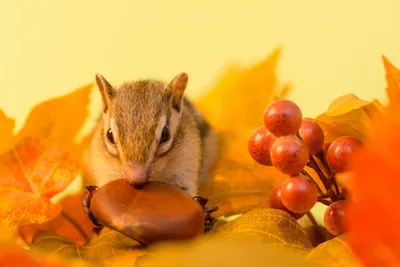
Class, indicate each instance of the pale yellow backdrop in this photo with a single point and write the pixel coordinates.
(329, 47)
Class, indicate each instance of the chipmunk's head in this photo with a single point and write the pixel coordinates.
(140, 122)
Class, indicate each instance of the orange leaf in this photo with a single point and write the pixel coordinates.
(64, 224)
(374, 188)
(18, 257)
(7, 127)
(58, 119)
(235, 107)
(393, 81)
(30, 174)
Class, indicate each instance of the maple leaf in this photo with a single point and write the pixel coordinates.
(101, 249)
(72, 223)
(334, 253)
(15, 256)
(235, 107)
(30, 174)
(393, 81)
(268, 227)
(373, 186)
(58, 119)
(348, 116)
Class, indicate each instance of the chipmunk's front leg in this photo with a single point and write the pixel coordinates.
(209, 220)
(86, 207)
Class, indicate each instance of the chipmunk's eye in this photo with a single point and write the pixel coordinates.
(110, 136)
(164, 135)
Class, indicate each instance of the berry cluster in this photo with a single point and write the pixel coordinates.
(289, 142)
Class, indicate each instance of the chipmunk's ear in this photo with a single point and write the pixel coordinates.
(177, 87)
(106, 90)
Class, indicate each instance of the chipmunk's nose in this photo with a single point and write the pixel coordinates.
(136, 174)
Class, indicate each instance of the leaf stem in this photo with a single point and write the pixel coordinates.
(75, 224)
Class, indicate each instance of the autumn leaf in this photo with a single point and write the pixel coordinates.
(334, 253)
(235, 107)
(6, 126)
(344, 104)
(12, 254)
(101, 249)
(215, 252)
(348, 115)
(58, 119)
(30, 174)
(373, 187)
(72, 223)
(268, 227)
(16, 256)
(393, 81)
(240, 96)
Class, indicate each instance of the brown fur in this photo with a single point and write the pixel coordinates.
(138, 109)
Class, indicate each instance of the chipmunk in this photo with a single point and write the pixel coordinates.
(149, 130)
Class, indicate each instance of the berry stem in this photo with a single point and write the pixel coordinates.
(305, 173)
(332, 175)
(324, 201)
(312, 163)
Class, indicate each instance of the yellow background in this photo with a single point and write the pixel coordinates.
(330, 48)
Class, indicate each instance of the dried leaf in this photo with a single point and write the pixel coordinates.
(7, 126)
(101, 248)
(30, 174)
(344, 104)
(58, 119)
(235, 107)
(353, 122)
(241, 95)
(268, 227)
(373, 186)
(374, 194)
(216, 252)
(334, 253)
(15, 256)
(393, 81)
(62, 225)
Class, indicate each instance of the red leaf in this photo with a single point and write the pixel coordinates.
(30, 174)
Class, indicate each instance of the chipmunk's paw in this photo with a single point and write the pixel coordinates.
(86, 207)
(209, 220)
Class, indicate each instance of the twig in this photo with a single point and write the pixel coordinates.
(314, 165)
(325, 202)
(305, 173)
(75, 224)
(332, 175)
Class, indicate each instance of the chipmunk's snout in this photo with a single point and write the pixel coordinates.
(136, 174)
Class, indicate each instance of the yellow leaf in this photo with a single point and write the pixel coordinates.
(235, 106)
(268, 227)
(103, 247)
(334, 253)
(352, 123)
(240, 96)
(217, 252)
(346, 121)
(345, 104)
